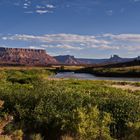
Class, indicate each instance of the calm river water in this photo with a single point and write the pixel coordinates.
(85, 76)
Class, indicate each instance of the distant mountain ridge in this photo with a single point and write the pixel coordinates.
(117, 59)
(31, 57)
(68, 59)
(38, 57)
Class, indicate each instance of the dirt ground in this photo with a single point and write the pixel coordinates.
(127, 87)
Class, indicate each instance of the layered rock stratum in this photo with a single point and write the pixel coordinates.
(29, 57)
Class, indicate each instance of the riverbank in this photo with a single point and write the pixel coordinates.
(87, 76)
(101, 71)
(133, 71)
(120, 72)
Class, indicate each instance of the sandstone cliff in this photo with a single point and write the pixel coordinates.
(67, 59)
(31, 57)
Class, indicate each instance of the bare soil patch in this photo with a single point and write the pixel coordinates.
(127, 87)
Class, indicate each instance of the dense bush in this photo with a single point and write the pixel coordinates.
(83, 110)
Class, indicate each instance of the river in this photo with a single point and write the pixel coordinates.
(85, 76)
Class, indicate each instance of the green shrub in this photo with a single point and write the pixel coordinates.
(36, 137)
(67, 108)
(17, 135)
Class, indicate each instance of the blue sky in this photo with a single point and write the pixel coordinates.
(84, 28)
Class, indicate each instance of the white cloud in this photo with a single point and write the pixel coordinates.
(124, 37)
(42, 11)
(25, 4)
(62, 46)
(35, 47)
(4, 38)
(40, 7)
(50, 6)
(66, 39)
(123, 42)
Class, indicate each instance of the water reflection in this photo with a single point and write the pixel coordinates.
(86, 76)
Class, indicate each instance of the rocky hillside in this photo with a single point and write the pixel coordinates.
(38, 57)
(31, 57)
(117, 59)
(67, 59)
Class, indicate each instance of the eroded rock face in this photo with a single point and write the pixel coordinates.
(67, 59)
(31, 57)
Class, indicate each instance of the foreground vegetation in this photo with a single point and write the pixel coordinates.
(38, 109)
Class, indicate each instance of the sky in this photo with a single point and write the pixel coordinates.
(83, 28)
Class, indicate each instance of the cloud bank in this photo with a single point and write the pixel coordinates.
(122, 42)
